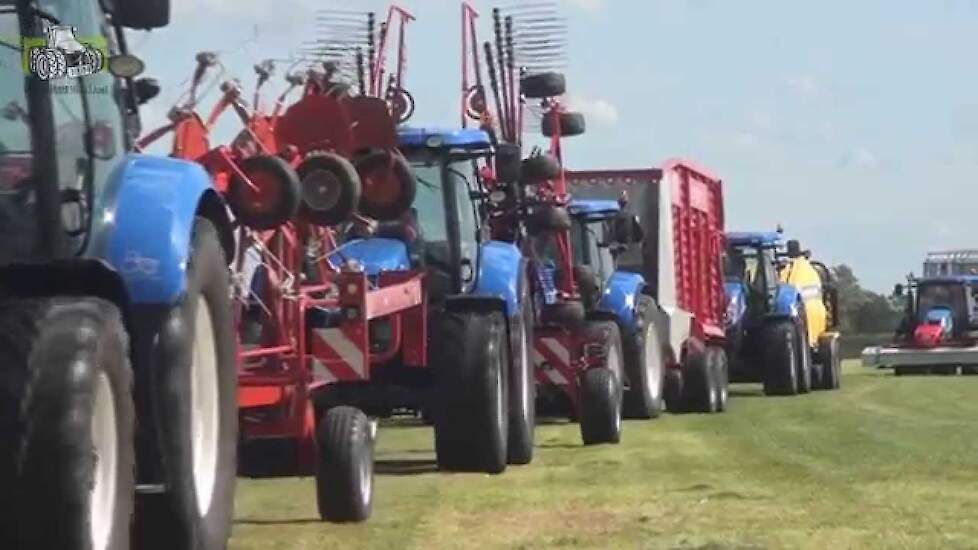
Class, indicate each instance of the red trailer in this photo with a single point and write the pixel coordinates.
(680, 259)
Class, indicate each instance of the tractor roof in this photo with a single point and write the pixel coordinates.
(949, 279)
(460, 138)
(594, 209)
(754, 238)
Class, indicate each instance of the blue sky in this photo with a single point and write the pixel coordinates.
(854, 124)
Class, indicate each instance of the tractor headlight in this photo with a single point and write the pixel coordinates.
(434, 142)
(497, 197)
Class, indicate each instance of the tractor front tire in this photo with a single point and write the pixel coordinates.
(601, 388)
(522, 383)
(345, 465)
(67, 417)
(804, 355)
(471, 420)
(716, 360)
(780, 358)
(194, 385)
(644, 365)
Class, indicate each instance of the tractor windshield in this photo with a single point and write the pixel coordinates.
(18, 222)
(587, 240)
(942, 294)
(753, 266)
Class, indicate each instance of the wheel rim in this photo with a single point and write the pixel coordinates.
(654, 371)
(526, 368)
(614, 365)
(321, 190)
(105, 440)
(204, 397)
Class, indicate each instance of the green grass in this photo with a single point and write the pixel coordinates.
(884, 463)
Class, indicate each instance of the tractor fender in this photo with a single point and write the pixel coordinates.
(142, 224)
(501, 271)
(736, 302)
(620, 297)
(376, 255)
(786, 302)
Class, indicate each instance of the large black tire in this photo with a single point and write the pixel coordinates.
(780, 358)
(672, 391)
(644, 365)
(601, 387)
(830, 363)
(539, 168)
(195, 370)
(543, 85)
(278, 198)
(331, 188)
(522, 382)
(700, 385)
(716, 359)
(389, 185)
(65, 405)
(571, 124)
(345, 465)
(804, 354)
(548, 219)
(471, 420)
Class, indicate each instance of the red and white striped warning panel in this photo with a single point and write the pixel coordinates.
(337, 357)
(551, 357)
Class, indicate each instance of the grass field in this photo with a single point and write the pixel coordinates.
(884, 463)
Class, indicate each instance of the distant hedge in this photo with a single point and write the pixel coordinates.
(853, 344)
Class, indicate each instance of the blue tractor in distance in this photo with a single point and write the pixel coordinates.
(781, 316)
(118, 382)
(600, 231)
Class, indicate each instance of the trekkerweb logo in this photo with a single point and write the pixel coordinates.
(60, 54)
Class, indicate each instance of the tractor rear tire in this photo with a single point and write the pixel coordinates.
(830, 361)
(601, 387)
(701, 389)
(539, 168)
(543, 85)
(571, 124)
(267, 208)
(780, 358)
(345, 465)
(644, 365)
(716, 359)
(522, 382)
(388, 184)
(471, 420)
(331, 189)
(195, 392)
(67, 453)
(804, 353)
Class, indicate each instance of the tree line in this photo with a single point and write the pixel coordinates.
(864, 311)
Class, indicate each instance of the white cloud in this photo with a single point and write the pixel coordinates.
(807, 86)
(590, 5)
(596, 111)
(859, 157)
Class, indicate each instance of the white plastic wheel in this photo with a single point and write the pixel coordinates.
(105, 440)
(204, 397)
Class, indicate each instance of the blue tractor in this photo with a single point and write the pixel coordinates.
(781, 315)
(600, 231)
(118, 413)
(479, 390)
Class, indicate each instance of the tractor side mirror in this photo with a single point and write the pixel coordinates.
(627, 229)
(140, 14)
(146, 89)
(898, 290)
(508, 163)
